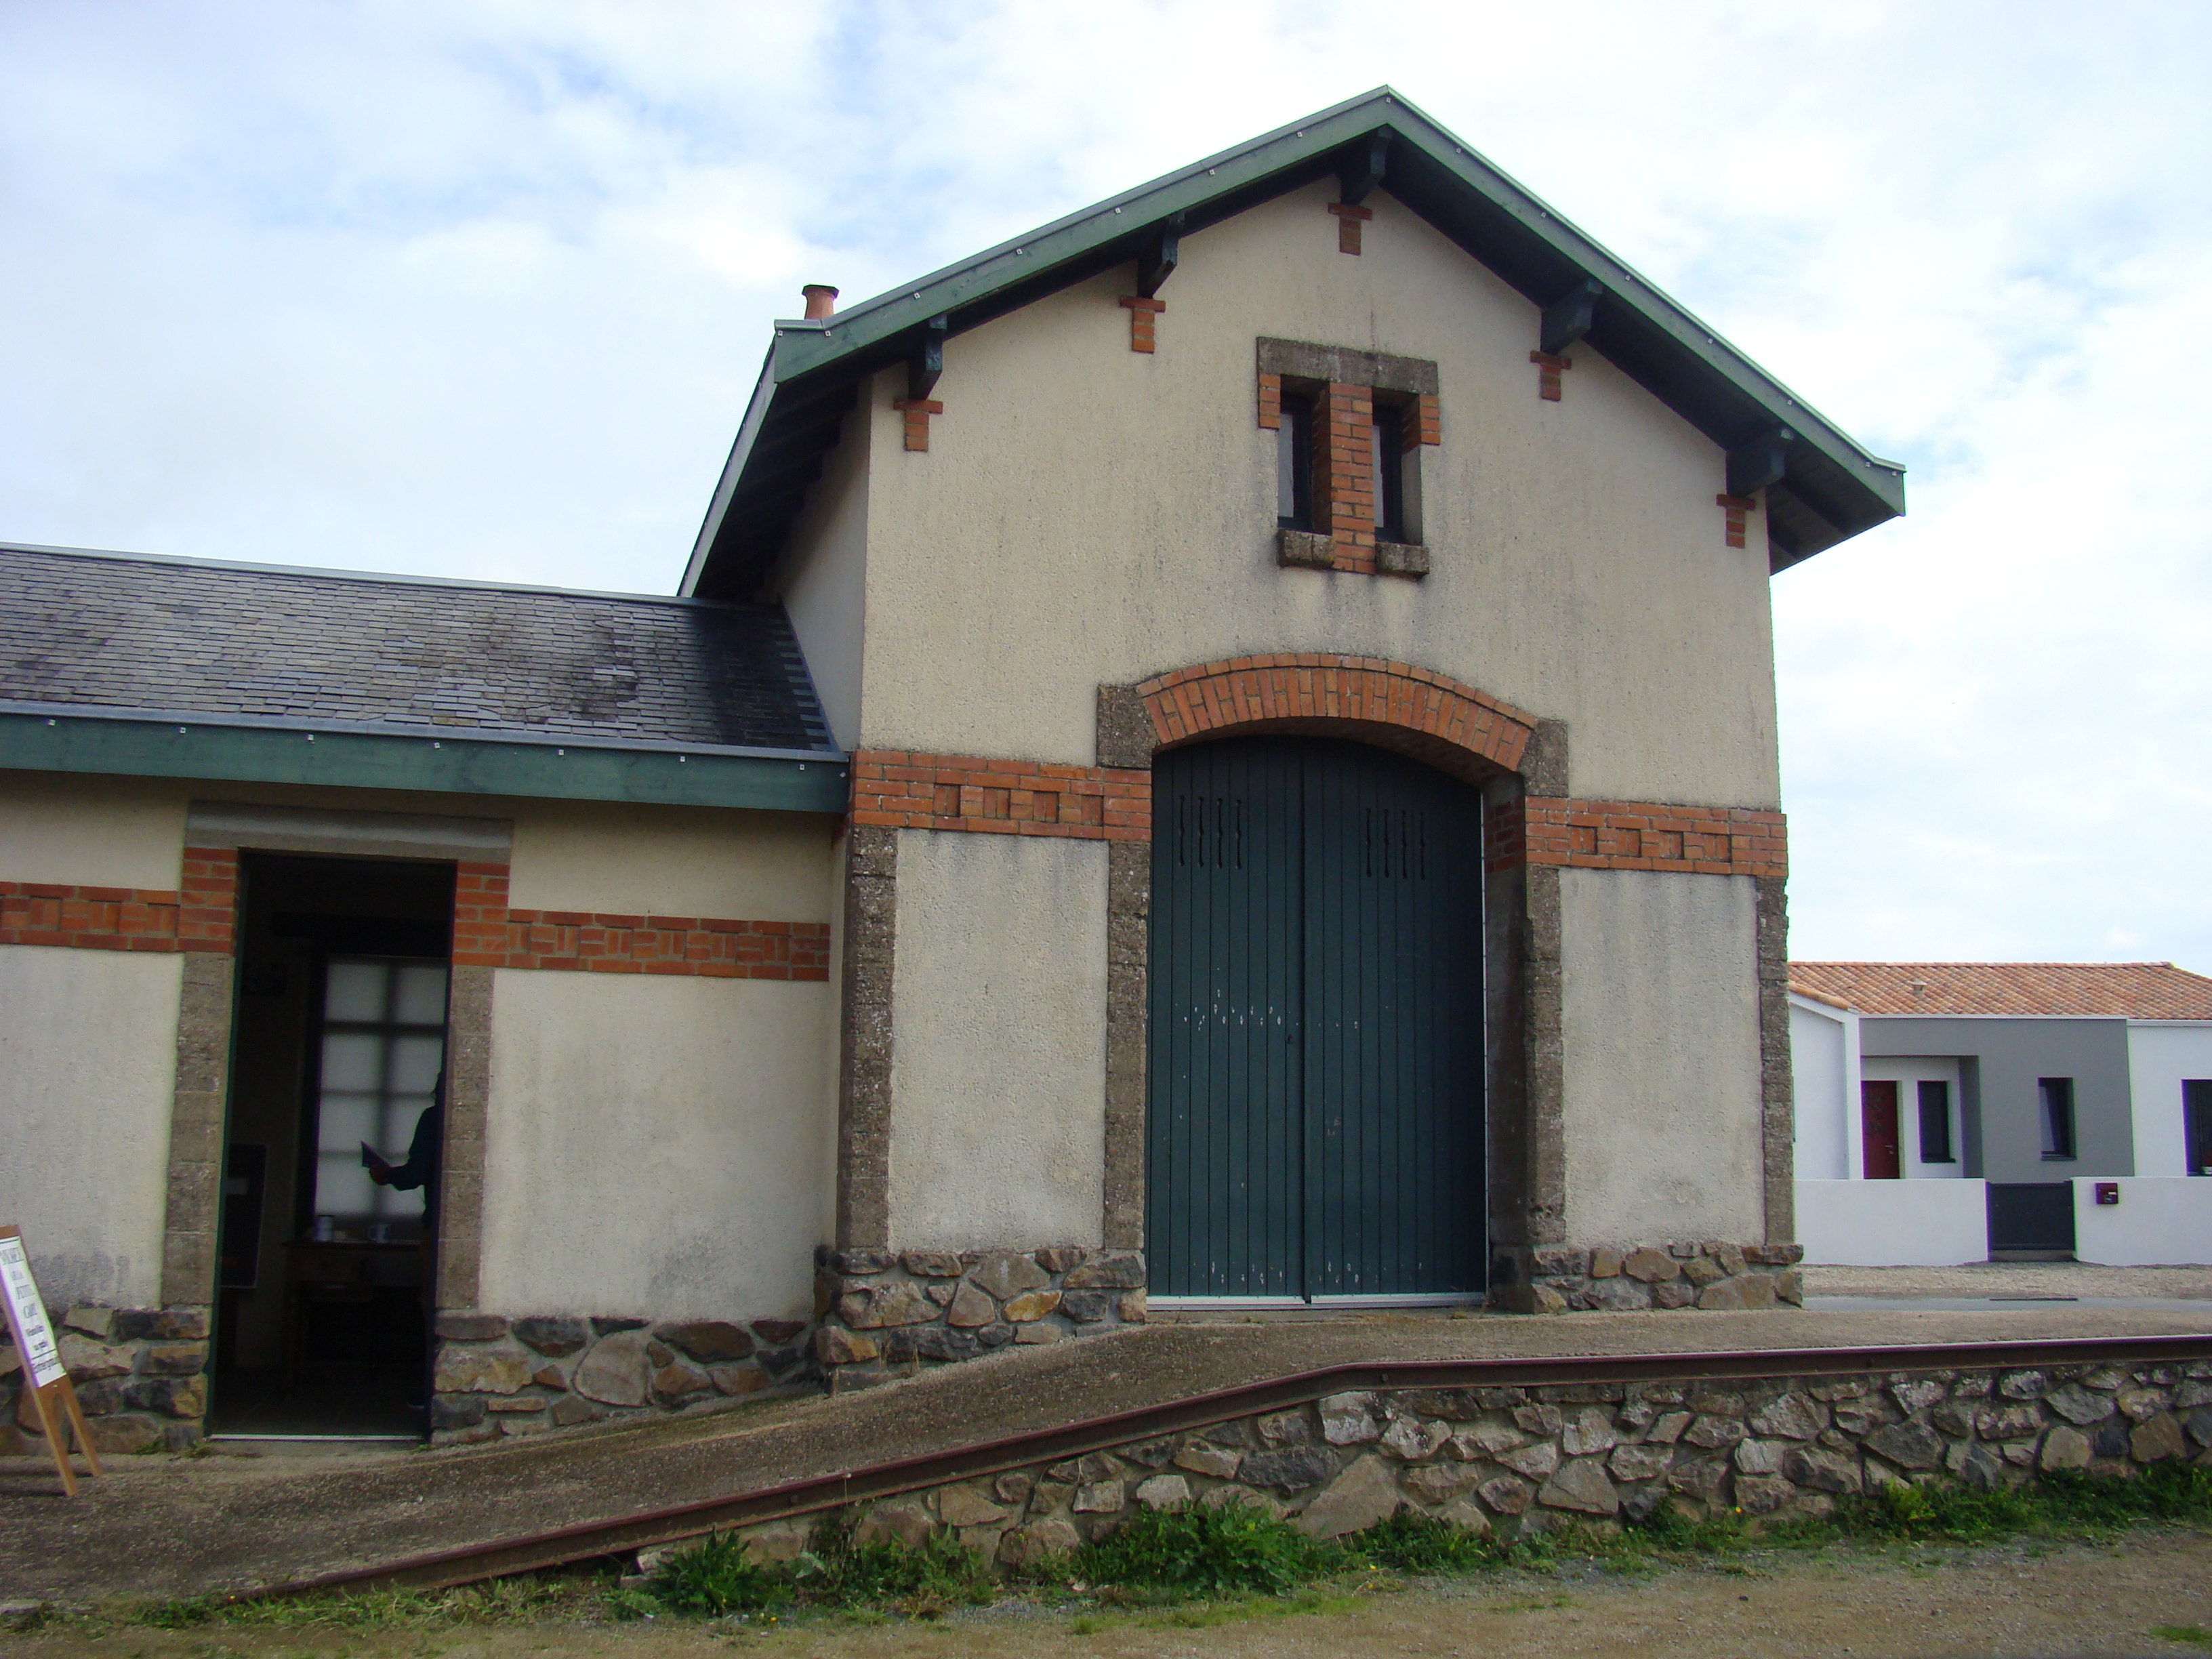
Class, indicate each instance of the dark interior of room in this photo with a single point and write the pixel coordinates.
(338, 1042)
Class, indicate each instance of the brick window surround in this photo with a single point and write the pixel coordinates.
(1343, 387)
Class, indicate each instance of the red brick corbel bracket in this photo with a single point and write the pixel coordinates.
(918, 411)
(1550, 366)
(1737, 507)
(1348, 221)
(1142, 310)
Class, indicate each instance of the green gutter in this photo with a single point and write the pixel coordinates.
(775, 781)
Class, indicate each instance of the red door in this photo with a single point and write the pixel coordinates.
(1878, 1131)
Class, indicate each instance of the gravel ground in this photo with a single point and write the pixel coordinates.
(2077, 1599)
(2012, 1279)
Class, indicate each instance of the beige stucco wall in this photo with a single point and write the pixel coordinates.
(656, 1147)
(670, 860)
(824, 578)
(1087, 515)
(1661, 1113)
(92, 831)
(999, 1074)
(661, 1147)
(87, 1062)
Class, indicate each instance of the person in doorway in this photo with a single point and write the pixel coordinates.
(421, 1169)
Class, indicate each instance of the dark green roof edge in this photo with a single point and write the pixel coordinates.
(128, 746)
(1682, 359)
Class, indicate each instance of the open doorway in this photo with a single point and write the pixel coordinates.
(326, 1274)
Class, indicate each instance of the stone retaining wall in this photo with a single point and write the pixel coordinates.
(496, 1375)
(1710, 1273)
(885, 1315)
(1516, 1460)
(141, 1375)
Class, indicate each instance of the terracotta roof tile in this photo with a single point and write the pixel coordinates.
(2128, 990)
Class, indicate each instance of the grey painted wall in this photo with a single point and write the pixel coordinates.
(2002, 1105)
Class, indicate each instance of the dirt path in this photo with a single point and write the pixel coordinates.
(2013, 1278)
(2015, 1600)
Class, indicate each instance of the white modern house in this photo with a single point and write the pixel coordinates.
(1951, 1112)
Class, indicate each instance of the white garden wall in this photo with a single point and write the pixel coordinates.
(2158, 1221)
(1893, 1223)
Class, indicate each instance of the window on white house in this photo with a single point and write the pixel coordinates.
(2197, 1123)
(2058, 1094)
(1935, 1124)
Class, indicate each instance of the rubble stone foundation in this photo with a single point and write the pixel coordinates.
(141, 1375)
(1516, 1460)
(887, 1314)
(496, 1375)
(1708, 1274)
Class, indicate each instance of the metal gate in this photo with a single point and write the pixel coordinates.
(2034, 1217)
(1315, 1120)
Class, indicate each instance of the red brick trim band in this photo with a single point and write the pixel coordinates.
(1141, 312)
(1737, 507)
(1271, 403)
(487, 934)
(201, 917)
(1612, 834)
(1216, 698)
(896, 788)
(1549, 367)
(1349, 218)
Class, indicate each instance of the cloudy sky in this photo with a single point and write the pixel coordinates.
(478, 288)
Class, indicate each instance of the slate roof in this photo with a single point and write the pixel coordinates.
(128, 635)
(2118, 990)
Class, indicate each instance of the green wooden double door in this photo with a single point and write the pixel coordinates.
(1315, 1113)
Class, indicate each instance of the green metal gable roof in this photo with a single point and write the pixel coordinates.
(1829, 488)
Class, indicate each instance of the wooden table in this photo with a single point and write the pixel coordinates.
(343, 1271)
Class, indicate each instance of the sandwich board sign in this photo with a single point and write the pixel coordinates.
(44, 1375)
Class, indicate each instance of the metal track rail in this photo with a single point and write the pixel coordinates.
(565, 1546)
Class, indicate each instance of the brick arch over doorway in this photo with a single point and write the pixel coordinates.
(1394, 705)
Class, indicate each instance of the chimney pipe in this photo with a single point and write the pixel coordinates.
(821, 301)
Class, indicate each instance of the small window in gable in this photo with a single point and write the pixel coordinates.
(1350, 428)
(1294, 462)
(1388, 448)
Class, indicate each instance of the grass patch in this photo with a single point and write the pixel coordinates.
(2194, 1636)
(2060, 1505)
(717, 1579)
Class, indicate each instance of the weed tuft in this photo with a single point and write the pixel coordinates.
(1231, 1549)
(1410, 1542)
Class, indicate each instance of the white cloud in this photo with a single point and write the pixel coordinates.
(480, 289)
